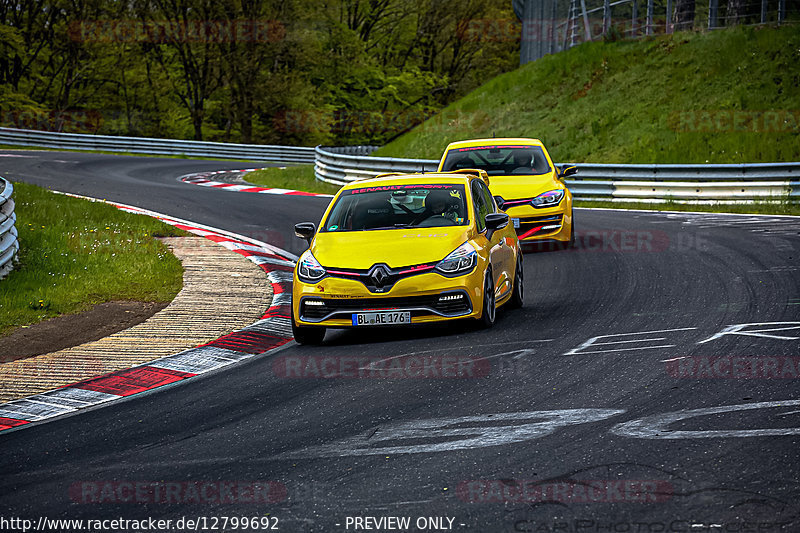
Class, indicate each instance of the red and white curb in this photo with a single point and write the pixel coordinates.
(271, 331)
(202, 179)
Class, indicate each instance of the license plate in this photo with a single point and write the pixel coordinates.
(516, 222)
(381, 318)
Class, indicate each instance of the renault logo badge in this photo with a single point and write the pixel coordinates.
(379, 275)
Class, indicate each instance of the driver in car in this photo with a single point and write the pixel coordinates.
(523, 162)
(441, 204)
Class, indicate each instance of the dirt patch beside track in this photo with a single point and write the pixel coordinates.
(71, 330)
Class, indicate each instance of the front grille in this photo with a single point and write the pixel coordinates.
(386, 279)
(419, 305)
(549, 219)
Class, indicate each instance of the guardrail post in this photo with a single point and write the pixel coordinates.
(713, 10)
(781, 11)
(763, 11)
(606, 16)
(586, 28)
(634, 18)
(649, 24)
(669, 17)
(9, 243)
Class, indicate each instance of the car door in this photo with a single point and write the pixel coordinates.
(505, 242)
(484, 205)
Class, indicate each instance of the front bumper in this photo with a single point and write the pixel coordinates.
(552, 223)
(429, 297)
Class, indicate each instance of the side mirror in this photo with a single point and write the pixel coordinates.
(305, 230)
(500, 202)
(568, 171)
(494, 222)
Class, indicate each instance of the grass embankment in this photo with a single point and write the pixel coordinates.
(75, 253)
(298, 178)
(726, 96)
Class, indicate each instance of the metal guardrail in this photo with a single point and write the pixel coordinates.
(604, 182)
(687, 183)
(9, 244)
(340, 166)
(144, 145)
(608, 182)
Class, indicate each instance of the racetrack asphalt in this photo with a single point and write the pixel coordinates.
(579, 415)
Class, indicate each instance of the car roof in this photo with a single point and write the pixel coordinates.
(413, 179)
(495, 141)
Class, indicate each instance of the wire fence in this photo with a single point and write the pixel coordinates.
(550, 26)
(9, 245)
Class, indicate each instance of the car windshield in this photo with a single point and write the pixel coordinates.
(397, 207)
(499, 160)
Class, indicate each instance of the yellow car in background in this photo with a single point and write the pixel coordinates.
(525, 182)
(406, 249)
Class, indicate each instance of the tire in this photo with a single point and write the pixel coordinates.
(307, 334)
(489, 314)
(518, 292)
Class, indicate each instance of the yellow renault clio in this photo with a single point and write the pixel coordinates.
(525, 182)
(406, 249)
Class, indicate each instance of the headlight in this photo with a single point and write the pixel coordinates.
(309, 269)
(548, 199)
(459, 261)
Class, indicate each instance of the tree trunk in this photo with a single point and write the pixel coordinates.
(737, 10)
(684, 15)
(197, 120)
(246, 123)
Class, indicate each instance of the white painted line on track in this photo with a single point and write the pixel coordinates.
(593, 341)
(738, 329)
(623, 342)
(630, 349)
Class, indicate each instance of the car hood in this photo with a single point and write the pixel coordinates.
(396, 248)
(522, 186)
